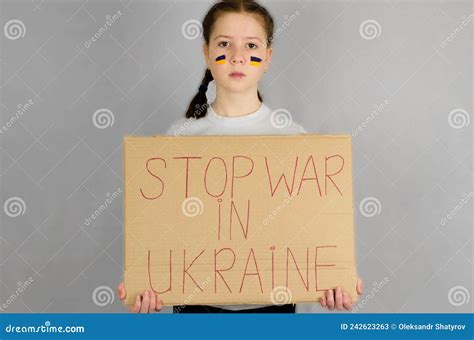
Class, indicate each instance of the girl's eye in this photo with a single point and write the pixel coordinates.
(226, 43)
(252, 46)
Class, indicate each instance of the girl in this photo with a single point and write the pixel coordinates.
(237, 51)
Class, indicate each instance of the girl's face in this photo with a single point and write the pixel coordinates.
(237, 46)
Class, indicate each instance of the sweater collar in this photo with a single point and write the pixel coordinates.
(251, 117)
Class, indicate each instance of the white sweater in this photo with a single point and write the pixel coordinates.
(261, 122)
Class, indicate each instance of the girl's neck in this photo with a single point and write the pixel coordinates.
(235, 104)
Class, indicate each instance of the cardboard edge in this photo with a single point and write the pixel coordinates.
(310, 135)
(124, 241)
(356, 297)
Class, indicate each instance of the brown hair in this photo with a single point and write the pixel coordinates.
(198, 106)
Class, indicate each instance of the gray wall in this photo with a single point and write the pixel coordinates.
(395, 74)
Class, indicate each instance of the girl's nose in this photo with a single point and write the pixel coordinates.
(237, 59)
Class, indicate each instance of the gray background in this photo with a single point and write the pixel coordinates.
(411, 158)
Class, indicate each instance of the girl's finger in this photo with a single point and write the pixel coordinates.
(360, 286)
(338, 298)
(322, 300)
(152, 301)
(122, 293)
(346, 301)
(145, 303)
(330, 299)
(137, 305)
(159, 303)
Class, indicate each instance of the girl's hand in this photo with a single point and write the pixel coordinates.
(339, 298)
(148, 302)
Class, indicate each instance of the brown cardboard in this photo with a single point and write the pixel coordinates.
(172, 211)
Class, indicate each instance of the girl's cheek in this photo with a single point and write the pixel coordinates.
(221, 59)
(255, 61)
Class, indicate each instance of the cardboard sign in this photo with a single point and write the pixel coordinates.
(239, 219)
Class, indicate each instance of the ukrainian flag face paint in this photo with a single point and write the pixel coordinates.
(255, 61)
(220, 59)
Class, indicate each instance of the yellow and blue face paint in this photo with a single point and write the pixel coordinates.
(220, 59)
(255, 61)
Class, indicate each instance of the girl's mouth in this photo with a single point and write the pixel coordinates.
(237, 75)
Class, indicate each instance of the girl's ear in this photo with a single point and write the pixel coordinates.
(206, 53)
(269, 54)
(269, 58)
